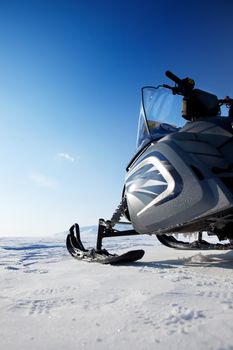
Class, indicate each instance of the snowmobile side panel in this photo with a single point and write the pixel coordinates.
(169, 185)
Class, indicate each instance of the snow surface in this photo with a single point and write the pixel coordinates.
(168, 300)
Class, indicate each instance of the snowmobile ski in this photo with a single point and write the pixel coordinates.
(199, 244)
(77, 250)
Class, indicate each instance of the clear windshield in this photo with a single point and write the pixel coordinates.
(160, 114)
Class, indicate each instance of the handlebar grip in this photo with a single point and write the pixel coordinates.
(173, 77)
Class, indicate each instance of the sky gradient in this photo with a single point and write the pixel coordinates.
(70, 80)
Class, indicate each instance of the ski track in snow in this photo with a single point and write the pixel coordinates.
(170, 298)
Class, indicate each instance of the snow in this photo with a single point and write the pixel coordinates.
(169, 299)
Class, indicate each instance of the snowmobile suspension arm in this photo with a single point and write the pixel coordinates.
(105, 230)
(106, 226)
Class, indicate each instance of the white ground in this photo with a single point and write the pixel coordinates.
(168, 300)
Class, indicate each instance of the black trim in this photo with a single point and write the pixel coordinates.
(197, 172)
(138, 154)
(225, 143)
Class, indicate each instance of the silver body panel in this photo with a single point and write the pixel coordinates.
(182, 178)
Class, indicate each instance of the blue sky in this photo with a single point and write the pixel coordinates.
(70, 79)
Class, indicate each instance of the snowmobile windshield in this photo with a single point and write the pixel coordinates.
(160, 114)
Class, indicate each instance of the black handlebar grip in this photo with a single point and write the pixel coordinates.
(173, 77)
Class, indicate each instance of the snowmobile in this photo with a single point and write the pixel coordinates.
(180, 180)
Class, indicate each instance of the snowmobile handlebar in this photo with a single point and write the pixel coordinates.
(183, 86)
(226, 101)
(173, 77)
(197, 103)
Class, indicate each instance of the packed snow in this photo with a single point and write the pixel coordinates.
(168, 300)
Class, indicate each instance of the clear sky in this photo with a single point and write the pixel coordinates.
(70, 79)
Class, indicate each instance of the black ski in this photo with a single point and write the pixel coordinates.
(200, 244)
(77, 250)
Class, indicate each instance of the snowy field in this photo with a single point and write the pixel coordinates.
(168, 300)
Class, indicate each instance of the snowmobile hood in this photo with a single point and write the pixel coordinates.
(160, 114)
